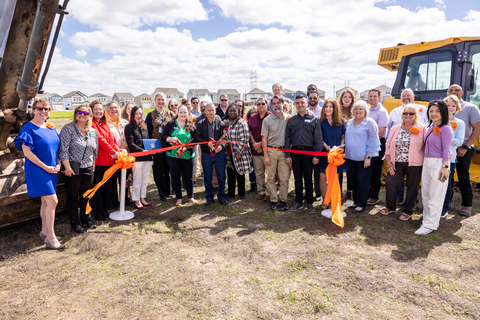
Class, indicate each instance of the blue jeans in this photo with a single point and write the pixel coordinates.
(449, 195)
(220, 161)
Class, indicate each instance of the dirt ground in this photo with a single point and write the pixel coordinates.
(244, 261)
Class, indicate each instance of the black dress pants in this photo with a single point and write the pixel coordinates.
(463, 173)
(302, 171)
(377, 167)
(76, 186)
(233, 178)
(161, 174)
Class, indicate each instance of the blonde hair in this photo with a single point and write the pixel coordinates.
(88, 124)
(414, 108)
(348, 115)
(454, 99)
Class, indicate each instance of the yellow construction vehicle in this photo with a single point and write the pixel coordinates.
(429, 68)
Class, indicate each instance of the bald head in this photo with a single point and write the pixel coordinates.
(456, 90)
(407, 96)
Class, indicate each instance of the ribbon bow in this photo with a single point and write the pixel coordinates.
(335, 159)
(124, 161)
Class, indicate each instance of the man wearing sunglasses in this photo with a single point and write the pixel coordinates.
(255, 126)
(195, 104)
(221, 110)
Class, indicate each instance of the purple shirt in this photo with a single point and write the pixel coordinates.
(438, 145)
(380, 115)
(255, 127)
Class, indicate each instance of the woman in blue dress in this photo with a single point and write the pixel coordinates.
(39, 142)
(333, 130)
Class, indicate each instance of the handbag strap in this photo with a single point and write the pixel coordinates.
(86, 145)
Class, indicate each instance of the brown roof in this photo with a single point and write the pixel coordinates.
(167, 90)
(100, 95)
(73, 93)
(124, 95)
(228, 91)
(257, 91)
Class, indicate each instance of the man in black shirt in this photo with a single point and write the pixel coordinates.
(303, 132)
(212, 127)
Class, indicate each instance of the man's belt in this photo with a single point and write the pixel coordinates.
(302, 148)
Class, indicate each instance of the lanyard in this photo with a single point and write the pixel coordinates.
(159, 114)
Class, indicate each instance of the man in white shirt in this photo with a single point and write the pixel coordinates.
(407, 97)
(313, 105)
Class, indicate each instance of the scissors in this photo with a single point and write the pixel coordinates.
(180, 151)
(216, 143)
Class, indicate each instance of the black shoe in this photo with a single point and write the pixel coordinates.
(296, 206)
(208, 202)
(253, 186)
(128, 201)
(223, 202)
(348, 195)
(78, 229)
(164, 199)
(310, 207)
(241, 197)
(90, 225)
(231, 196)
(283, 206)
(272, 205)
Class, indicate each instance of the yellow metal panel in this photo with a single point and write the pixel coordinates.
(392, 103)
(390, 58)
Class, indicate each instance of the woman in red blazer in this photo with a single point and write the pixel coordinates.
(106, 198)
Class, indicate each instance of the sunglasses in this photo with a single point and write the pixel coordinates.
(85, 113)
(195, 102)
(409, 113)
(174, 105)
(42, 109)
(313, 98)
(223, 99)
(261, 104)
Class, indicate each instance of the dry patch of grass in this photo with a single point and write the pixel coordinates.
(244, 262)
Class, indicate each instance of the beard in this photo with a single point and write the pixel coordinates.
(278, 109)
(313, 103)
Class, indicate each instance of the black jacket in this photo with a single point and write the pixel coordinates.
(201, 132)
(134, 136)
(219, 112)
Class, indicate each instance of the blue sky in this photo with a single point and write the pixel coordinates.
(113, 46)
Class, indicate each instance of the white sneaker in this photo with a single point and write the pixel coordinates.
(422, 231)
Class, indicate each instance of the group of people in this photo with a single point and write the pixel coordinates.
(268, 142)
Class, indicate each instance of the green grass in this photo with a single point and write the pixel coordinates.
(67, 114)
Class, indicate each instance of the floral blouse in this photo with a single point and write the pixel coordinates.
(402, 145)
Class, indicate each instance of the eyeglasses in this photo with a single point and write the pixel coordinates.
(239, 105)
(409, 113)
(113, 108)
(85, 113)
(195, 102)
(313, 98)
(223, 99)
(261, 104)
(42, 109)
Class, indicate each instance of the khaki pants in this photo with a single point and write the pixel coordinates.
(259, 167)
(277, 164)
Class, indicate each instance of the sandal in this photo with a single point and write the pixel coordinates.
(404, 217)
(386, 211)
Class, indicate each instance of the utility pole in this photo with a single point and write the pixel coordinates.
(253, 79)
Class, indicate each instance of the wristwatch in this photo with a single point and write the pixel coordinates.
(368, 157)
(445, 166)
(464, 146)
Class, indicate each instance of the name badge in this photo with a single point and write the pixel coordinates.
(308, 120)
(92, 134)
(160, 130)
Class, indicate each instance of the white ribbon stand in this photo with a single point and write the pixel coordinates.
(122, 215)
(327, 213)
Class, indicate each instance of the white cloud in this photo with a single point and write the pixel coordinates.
(335, 43)
(81, 53)
(441, 4)
(136, 13)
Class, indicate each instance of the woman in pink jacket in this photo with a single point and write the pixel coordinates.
(404, 157)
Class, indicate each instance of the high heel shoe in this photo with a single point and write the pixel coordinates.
(91, 225)
(43, 236)
(146, 204)
(50, 246)
(139, 207)
(77, 229)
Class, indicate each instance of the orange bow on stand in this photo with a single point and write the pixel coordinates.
(335, 159)
(124, 161)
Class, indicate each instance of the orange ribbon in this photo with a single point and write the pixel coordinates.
(124, 161)
(335, 159)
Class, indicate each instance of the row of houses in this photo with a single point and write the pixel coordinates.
(72, 99)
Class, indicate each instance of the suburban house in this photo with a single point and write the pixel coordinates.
(302, 93)
(201, 94)
(254, 94)
(73, 99)
(103, 98)
(339, 92)
(287, 93)
(123, 97)
(386, 92)
(55, 100)
(144, 100)
(232, 94)
(171, 93)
